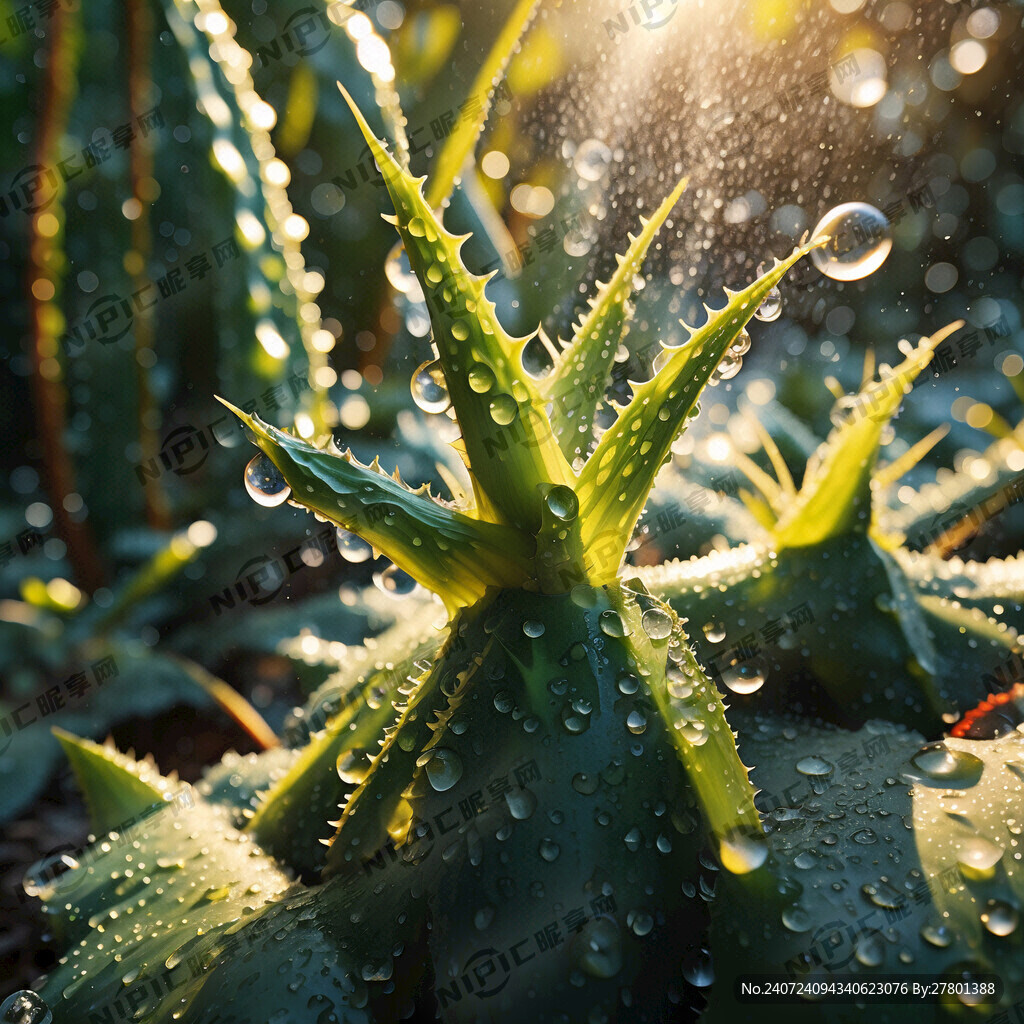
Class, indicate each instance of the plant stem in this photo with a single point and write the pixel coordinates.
(45, 271)
(138, 23)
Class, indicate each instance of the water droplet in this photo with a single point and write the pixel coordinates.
(870, 949)
(585, 784)
(1000, 918)
(25, 1007)
(394, 582)
(818, 770)
(640, 922)
(742, 850)
(597, 949)
(49, 875)
(611, 623)
(481, 378)
(353, 548)
(399, 273)
(443, 767)
(633, 838)
(429, 389)
(937, 935)
(978, 857)
(583, 596)
(796, 919)
(745, 678)
(657, 623)
(562, 503)
(483, 917)
(374, 971)
(549, 850)
(628, 684)
(714, 631)
(741, 344)
(771, 307)
(265, 483)
(938, 765)
(504, 701)
(859, 242)
(698, 968)
(591, 159)
(521, 804)
(504, 410)
(573, 721)
(533, 628)
(636, 723)
(353, 766)
(864, 837)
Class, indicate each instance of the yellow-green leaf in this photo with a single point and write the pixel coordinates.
(576, 385)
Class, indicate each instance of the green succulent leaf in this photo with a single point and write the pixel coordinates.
(947, 513)
(243, 151)
(460, 144)
(576, 386)
(506, 433)
(448, 552)
(616, 480)
(995, 586)
(203, 941)
(933, 828)
(117, 788)
(835, 496)
(296, 810)
(691, 705)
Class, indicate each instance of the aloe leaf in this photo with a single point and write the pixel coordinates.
(576, 385)
(953, 508)
(682, 520)
(182, 549)
(378, 813)
(718, 569)
(935, 628)
(418, 628)
(449, 553)
(460, 144)
(506, 432)
(835, 495)
(425, 41)
(295, 811)
(116, 787)
(996, 586)
(268, 229)
(693, 709)
(890, 473)
(618, 477)
(912, 902)
(201, 938)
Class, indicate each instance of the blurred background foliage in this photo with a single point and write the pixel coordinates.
(235, 248)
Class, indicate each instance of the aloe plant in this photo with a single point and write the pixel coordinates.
(527, 799)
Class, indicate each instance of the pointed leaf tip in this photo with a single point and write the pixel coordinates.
(116, 787)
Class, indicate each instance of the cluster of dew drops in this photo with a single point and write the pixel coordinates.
(266, 485)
